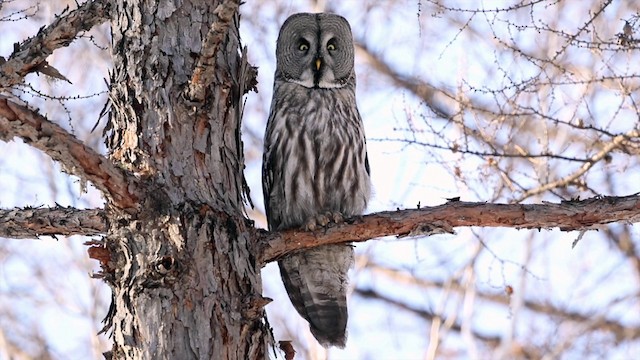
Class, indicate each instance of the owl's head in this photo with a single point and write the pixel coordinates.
(315, 50)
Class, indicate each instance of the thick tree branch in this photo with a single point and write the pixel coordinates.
(75, 157)
(567, 215)
(30, 56)
(32, 223)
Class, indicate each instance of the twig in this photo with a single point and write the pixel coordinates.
(491, 340)
(431, 95)
(621, 331)
(615, 143)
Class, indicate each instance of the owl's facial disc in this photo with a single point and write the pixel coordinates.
(319, 69)
(315, 51)
(326, 63)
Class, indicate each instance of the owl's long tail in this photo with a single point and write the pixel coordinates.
(316, 281)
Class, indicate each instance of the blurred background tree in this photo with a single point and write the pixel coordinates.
(514, 102)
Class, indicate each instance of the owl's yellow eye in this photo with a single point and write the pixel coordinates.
(303, 47)
(331, 44)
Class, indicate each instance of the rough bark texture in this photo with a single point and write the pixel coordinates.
(65, 221)
(185, 288)
(185, 283)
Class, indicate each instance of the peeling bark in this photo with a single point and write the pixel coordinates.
(184, 289)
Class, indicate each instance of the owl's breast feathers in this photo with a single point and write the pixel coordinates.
(317, 154)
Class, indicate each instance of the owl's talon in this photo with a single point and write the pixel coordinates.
(337, 217)
(322, 220)
(311, 224)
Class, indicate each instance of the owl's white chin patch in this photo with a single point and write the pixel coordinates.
(329, 85)
(322, 84)
(306, 83)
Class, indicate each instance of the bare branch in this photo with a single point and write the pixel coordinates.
(32, 223)
(567, 215)
(32, 53)
(615, 143)
(490, 340)
(621, 331)
(75, 157)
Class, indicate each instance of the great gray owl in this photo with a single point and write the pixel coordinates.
(315, 167)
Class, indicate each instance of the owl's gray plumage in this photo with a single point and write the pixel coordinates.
(315, 164)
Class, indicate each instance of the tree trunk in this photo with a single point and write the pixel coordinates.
(185, 282)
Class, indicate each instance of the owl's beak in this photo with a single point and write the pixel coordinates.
(318, 63)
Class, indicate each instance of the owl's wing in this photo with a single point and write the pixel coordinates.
(267, 183)
(366, 159)
(271, 184)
